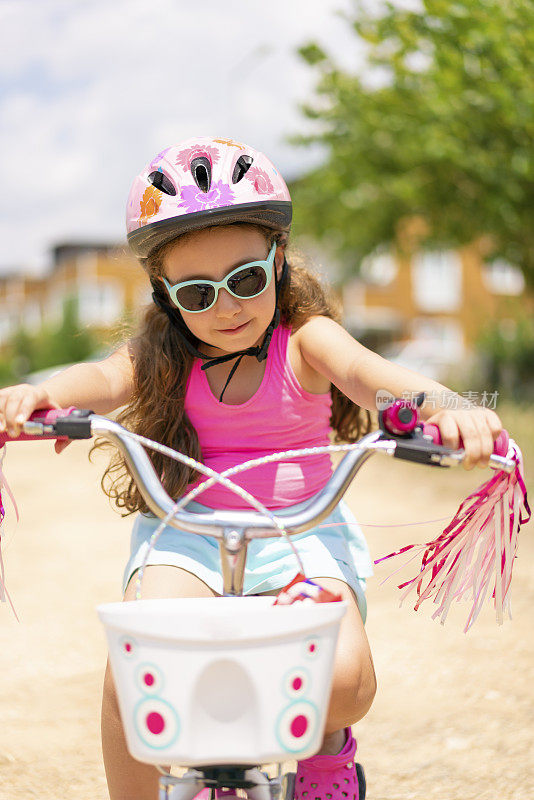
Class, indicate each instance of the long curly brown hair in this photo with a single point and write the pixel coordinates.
(161, 368)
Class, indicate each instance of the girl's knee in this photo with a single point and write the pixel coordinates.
(353, 692)
(354, 682)
(366, 689)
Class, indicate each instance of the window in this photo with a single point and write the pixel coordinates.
(379, 268)
(100, 304)
(437, 280)
(500, 277)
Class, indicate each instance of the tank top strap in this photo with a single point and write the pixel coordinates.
(279, 344)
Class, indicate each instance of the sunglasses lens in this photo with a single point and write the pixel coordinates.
(196, 296)
(248, 282)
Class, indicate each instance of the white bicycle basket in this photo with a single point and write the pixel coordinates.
(222, 680)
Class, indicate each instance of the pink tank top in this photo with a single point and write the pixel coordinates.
(281, 415)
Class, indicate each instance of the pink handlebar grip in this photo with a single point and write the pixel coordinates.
(47, 417)
(400, 418)
(500, 446)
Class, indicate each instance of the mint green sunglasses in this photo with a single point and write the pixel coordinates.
(244, 282)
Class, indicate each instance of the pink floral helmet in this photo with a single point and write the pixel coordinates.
(203, 182)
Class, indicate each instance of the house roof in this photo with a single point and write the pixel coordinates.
(67, 250)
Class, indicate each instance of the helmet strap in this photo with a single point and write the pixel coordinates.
(190, 342)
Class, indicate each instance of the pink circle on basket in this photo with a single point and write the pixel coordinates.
(299, 726)
(155, 722)
(128, 647)
(296, 684)
(311, 648)
(148, 678)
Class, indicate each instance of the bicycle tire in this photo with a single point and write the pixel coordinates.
(362, 783)
(289, 783)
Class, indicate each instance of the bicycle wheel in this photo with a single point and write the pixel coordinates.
(362, 785)
(288, 785)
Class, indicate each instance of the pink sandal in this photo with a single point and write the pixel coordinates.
(336, 777)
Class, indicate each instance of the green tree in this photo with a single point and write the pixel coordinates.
(50, 347)
(506, 358)
(68, 343)
(439, 123)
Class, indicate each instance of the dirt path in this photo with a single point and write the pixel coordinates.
(454, 714)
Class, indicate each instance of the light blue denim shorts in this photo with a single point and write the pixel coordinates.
(334, 549)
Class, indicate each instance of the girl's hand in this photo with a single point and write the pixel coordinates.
(478, 428)
(17, 403)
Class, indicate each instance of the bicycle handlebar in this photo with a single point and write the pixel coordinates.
(53, 423)
(415, 444)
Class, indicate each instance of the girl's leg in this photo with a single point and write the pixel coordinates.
(333, 772)
(128, 778)
(354, 680)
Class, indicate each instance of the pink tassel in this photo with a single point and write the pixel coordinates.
(476, 551)
(4, 595)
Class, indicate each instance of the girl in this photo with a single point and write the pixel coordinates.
(240, 355)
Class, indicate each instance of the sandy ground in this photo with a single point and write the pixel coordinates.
(454, 713)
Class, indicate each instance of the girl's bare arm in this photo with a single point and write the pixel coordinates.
(101, 386)
(360, 374)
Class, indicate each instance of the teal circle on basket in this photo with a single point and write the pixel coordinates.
(149, 678)
(312, 646)
(296, 682)
(128, 646)
(156, 722)
(296, 726)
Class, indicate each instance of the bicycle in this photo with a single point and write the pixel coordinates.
(145, 646)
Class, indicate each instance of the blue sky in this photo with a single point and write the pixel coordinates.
(90, 90)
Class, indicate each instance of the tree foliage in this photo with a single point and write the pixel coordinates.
(506, 358)
(440, 123)
(49, 347)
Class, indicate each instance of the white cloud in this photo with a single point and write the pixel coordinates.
(91, 89)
